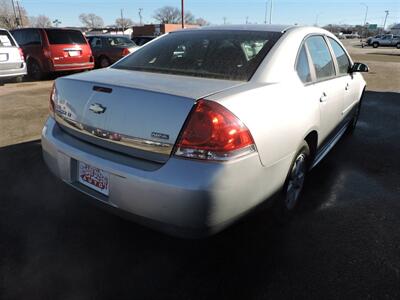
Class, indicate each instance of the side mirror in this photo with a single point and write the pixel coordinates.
(358, 67)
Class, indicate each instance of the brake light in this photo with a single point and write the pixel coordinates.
(53, 99)
(212, 132)
(125, 51)
(21, 54)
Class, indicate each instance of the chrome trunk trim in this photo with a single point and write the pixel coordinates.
(116, 138)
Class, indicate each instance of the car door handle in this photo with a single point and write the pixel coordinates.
(347, 86)
(323, 98)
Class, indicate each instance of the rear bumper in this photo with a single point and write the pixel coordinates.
(71, 67)
(10, 73)
(181, 197)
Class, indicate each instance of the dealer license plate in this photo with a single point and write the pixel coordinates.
(94, 178)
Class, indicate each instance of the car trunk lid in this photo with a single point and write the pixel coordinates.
(137, 113)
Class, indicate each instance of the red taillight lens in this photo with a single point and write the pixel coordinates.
(212, 132)
(53, 99)
(125, 51)
(21, 53)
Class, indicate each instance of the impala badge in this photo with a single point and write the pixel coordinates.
(97, 108)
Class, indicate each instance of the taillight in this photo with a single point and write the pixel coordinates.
(53, 100)
(125, 51)
(21, 54)
(212, 132)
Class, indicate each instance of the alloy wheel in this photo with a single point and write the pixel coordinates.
(296, 181)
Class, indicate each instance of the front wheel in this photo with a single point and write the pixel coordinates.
(375, 45)
(398, 46)
(294, 184)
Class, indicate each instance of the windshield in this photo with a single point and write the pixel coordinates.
(233, 55)
(57, 36)
(119, 41)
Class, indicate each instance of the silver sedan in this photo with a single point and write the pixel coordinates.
(200, 126)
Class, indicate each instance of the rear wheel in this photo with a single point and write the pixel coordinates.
(375, 45)
(34, 70)
(398, 46)
(104, 62)
(293, 187)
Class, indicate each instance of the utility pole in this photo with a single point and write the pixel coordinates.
(384, 23)
(365, 23)
(266, 10)
(20, 16)
(140, 16)
(122, 21)
(15, 14)
(183, 13)
(270, 12)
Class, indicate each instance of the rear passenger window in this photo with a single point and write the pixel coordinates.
(5, 39)
(341, 57)
(302, 66)
(321, 57)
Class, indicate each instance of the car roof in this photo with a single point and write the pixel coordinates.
(263, 27)
(107, 35)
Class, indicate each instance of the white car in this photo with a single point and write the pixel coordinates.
(12, 63)
(200, 126)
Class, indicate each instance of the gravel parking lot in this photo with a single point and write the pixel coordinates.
(55, 244)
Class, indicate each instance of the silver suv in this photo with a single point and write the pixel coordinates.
(12, 63)
(386, 40)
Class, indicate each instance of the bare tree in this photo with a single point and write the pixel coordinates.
(189, 18)
(41, 21)
(168, 14)
(124, 22)
(201, 22)
(91, 20)
(7, 16)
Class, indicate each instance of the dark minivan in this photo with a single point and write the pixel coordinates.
(50, 50)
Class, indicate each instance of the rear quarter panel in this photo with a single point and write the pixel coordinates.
(278, 115)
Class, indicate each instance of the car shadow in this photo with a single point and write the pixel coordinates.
(55, 244)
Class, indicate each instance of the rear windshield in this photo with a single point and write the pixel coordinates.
(232, 55)
(57, 36)
(5, 39)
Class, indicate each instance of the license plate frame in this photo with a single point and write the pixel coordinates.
(94, 178)
(3, 57)
(74, 53)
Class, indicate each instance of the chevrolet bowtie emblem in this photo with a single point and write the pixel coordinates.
(97, 108)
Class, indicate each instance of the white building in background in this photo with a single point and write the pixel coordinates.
(395, 29)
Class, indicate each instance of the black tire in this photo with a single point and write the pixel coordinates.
(104, 62)
(18, 79)
(375, 44)
(398, 46)
(35, 72)
(286, 205)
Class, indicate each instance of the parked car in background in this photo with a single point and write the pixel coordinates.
(107, 49)
(387, 40)
(369, 40)
(50, 50)
(200, 126)
(12, 62)
(141, 40)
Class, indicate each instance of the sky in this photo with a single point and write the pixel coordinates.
(305, 12)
